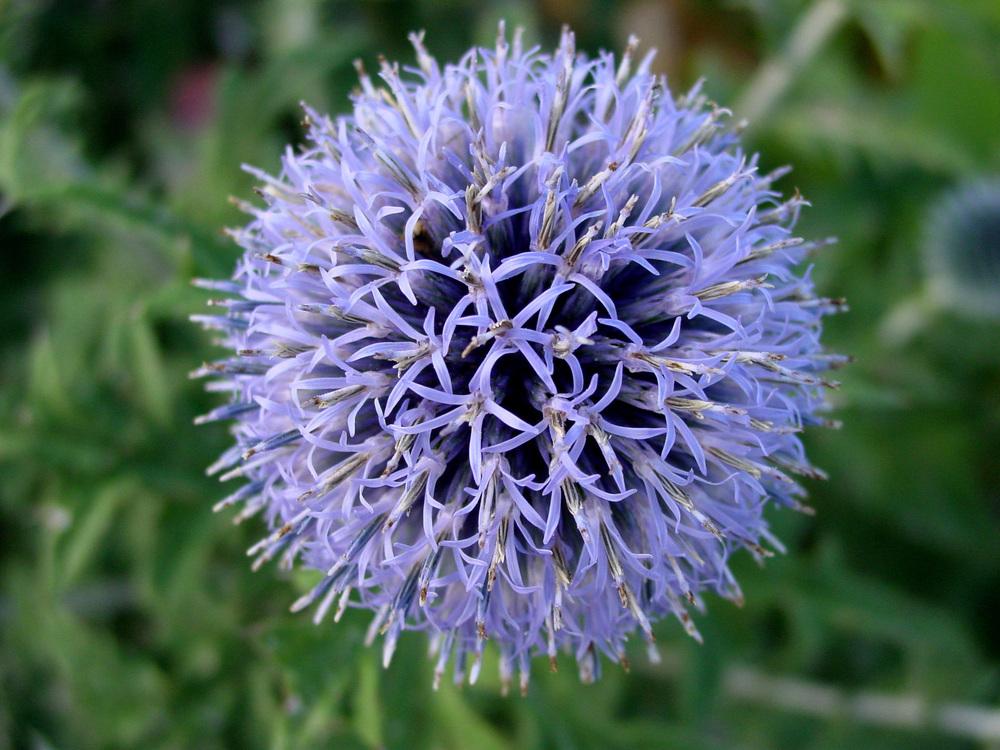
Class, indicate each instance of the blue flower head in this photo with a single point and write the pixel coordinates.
(518, 355)
(962, 249)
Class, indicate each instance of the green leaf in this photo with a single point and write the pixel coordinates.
(150, 378)
(460, 726)
(888, 24)
(46, 390)
(115, 208)
(367, 708)
(876, 133)
(34, 153)
(86, 537)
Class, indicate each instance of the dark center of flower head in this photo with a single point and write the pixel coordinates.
(520, 355)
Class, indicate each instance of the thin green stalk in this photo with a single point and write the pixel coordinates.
(774, 77)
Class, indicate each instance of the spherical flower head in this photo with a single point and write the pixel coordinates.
(962, 249)
(519, 355)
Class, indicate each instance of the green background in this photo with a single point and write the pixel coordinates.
(128, 614)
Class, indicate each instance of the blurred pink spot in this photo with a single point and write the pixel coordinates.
(192, 96)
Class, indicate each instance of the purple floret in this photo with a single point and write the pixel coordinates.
(519, 354)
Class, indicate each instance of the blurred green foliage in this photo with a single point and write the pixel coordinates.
(128, 615)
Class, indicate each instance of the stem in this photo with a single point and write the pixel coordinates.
(903, 711)
(774, 77)
(899, 711)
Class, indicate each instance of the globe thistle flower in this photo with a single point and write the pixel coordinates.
(961, 262)
(519, 355)
(962, 249)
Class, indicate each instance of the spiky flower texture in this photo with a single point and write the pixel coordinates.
(519, 355)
